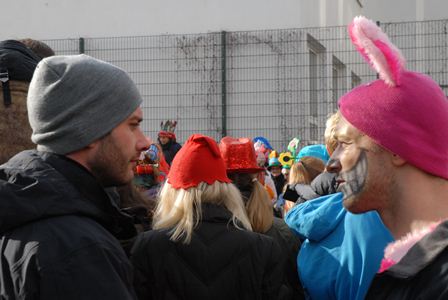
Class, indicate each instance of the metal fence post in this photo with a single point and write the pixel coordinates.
(81, 45)
(223, 85)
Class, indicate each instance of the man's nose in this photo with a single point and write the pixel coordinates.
(334, 166)
(143, 143)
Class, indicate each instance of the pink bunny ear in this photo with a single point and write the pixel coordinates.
(376, 48)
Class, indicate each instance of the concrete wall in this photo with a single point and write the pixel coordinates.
(405, 10)
(54, 19)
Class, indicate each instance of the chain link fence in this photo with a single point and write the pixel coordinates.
(278, 84)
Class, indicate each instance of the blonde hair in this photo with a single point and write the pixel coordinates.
(330, 127)
(258, 204)
(180, 209)
(305, 170)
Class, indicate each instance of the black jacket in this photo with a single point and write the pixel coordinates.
(221, 262)
(279, 182)
(57, 228)
(170, 150)
(421, 274)
(290, 245)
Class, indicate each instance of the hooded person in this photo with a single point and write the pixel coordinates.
(392, 157)
(18, 60)
(341, 251)
(60, 224)
(200, 228)
(242, 169)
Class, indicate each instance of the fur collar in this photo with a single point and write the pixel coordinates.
(395, 251)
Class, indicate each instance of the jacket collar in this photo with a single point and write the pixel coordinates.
(111, 217)
(215, 213)
(422, 253)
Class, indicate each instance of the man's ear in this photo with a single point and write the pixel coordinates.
(397, 160)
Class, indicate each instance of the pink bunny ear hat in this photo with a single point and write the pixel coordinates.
(405, 112)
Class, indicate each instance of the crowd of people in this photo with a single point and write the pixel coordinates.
(91, 208)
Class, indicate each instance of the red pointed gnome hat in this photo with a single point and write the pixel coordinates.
(199, 160)
(405, 112)
(239, 155)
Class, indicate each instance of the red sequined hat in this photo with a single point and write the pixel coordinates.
(199, 160)
(239, 155)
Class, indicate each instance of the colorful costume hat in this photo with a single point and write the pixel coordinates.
(274, 162)
(405, 112)
(317, 151)
(286, 159)
(293, 146)
(199, 160)
(263, 141)
(239, 155)
(167, 129)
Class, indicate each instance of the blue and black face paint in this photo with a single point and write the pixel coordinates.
(355, 178)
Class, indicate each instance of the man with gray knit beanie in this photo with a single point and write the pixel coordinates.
(58, 224)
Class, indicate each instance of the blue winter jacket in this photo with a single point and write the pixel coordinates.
(341, 251)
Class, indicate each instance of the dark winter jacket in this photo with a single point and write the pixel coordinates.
(221, 262)
(279, 182)
(170, 150)
(290, 245)
(57, 228)
(421, 274)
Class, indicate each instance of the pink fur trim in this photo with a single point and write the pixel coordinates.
(376, 48)
(386, 263)
(395, 251)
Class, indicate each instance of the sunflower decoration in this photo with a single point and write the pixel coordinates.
(286, 159)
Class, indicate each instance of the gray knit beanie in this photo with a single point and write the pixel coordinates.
(75, 100)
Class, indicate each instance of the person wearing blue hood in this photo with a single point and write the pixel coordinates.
(341, 251)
